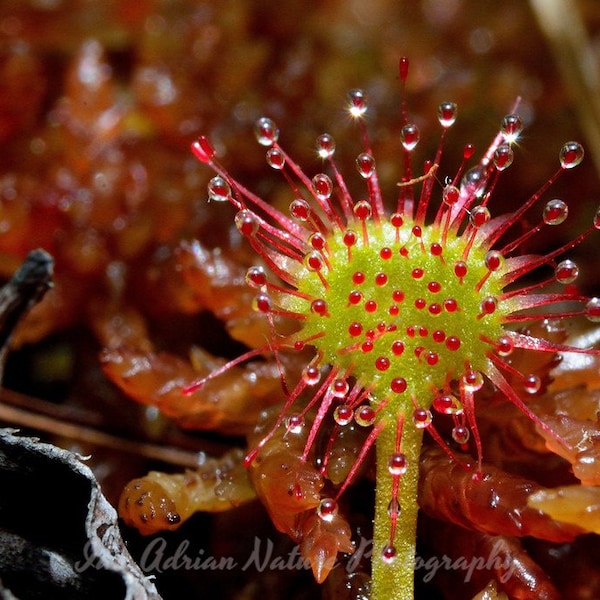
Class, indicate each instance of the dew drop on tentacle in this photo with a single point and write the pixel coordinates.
(319, 307)
(256, 276)
(447, 404)
(461, 269)
(266, 131)
(504, 346)
(398, 384)
(388, 554)
(555, 212)
(461, 434)
(300, 210)
(472, 380)
(365, 165)
(314, 261)
(596, 219)
(322, 186)
(452, 342)
(447, 113)
(397, 464)
(532, 384)
(473, 182)
(493, 260)
(422, 418)
(479, 216)
(275, 158)
(294, 423)
(357, 105)
(340, 388)
(592, 310)
(503, 157)
(246, 223)
(343, 414)
(365, 415)
(325, 146)
(566, 272)
(409, 136)
(317, 241)
(262, 303)
(488, 305)
(394, 508)
(218, 189)
(571, 155)
(511, 127)
(450, 195)
(311, 375)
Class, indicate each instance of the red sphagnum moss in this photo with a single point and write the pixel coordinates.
(410, 311)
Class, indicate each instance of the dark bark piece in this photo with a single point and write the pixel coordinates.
(24, 289)
(58, 534)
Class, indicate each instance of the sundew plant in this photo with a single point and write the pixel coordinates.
(411, 304)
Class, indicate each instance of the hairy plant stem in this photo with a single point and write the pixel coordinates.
(395, 580)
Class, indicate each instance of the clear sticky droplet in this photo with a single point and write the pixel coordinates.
(555, 212)
(447, 112)
(592, 310)
(262, 303)
(275, 158)
(397, 464)
(343, 414)
(317, 241)
(246, 222)
(365, 415)
(422, 418)
(472, 381)
(322, 186)
(473, 182)
(256, 277)
(388, 553)
(394, 508)
(218, 189)
(566, 271)
(409, 136)
(488, 305)
(327, 509)
(460, 434)
(362, 210)
(503, 157)
(479, 216)
(357, 105)
(319, 307)
(311, 375)
(294, 423)
(504, 345)
(313, 261)
(532, 384)
(325, 146)
(450, 195)
(365, 164)
(300, 210)
(570, 155)
(267, 133)
(511, 127)
(448, 404)
(340, 388)
(493, 260)
(596, 220)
